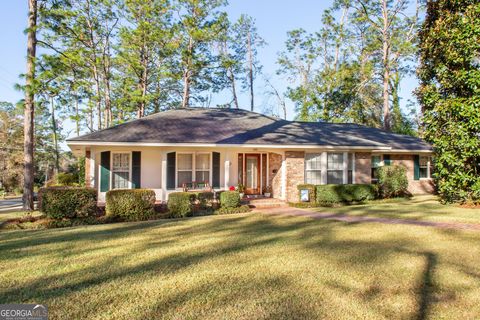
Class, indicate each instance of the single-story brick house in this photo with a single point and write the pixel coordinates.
(195, 147)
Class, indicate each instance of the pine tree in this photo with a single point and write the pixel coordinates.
(200, 26)
(28, 175)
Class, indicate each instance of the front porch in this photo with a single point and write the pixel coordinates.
(174, 169)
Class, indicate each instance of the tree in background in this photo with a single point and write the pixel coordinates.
(199, 26)
(11, 147)
(350, 70)
(247, 42)
(449, 93)
(143, 52)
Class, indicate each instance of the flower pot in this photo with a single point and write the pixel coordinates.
(267, 194)
(241, 195)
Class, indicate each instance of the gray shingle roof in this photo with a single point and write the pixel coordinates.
(237, 126)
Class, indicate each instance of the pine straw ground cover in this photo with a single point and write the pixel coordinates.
(245, 266)
(422, 208)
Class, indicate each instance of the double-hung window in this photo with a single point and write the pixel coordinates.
(313, 168)
(193, 169)
(335, 168)
(350, 168)
(121, 170)
(202, 168)
(425, 167)
(376, 163)
(185, 169)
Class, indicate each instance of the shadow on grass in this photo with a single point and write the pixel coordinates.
(228, 236)
(427, 286)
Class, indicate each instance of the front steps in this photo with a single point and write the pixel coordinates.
(262, 202)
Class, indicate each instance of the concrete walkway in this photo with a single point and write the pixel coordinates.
(357, 219)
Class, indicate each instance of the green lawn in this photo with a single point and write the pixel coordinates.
(245, 266)
(425, 208)
(9, 215)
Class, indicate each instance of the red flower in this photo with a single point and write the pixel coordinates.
(232, 188)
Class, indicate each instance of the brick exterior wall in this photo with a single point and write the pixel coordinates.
(363, 167)
(423, 186)
(295, 163)
(275, 174)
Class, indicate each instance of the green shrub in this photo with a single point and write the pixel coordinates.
(330, 194)
(392, 181)
(130, 204)
(67, 202)
(66, 179)
(227, 210)
(230, 199)
(180, 204)
(311, 192)
(202, 199)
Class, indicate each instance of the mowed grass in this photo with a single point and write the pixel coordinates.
(424, 208)
(246, 266)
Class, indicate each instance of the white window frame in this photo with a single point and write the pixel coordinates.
(380, 164)
(352, 168)
(343, 166)
(318, 154)
(194, 169)
(129, 168)
(429, 167)
(210, 164)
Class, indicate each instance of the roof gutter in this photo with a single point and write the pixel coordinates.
(156, 144)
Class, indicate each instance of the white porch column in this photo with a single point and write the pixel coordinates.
(227, 165)
(163, 184)
(345, 167)
(93, 183)
(323, 164)
(284, 177)
(353, 168)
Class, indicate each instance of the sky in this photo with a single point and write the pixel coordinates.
(273, 18)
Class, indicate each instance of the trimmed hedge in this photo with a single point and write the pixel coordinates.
(130, 204)
(230, 199)
(67, 202)
(180, 204)
(311, 192)
(392, 181)
(202, 200)
(330, 194)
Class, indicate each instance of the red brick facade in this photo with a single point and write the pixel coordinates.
(275, 174)
(295, 175)
(295, 162)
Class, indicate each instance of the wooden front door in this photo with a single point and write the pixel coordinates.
(252, 173)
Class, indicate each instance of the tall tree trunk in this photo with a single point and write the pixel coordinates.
(386, 67)
(55, 136)
(143, 82)
(386, 86)
(234, 90)
(29, 107)
(250, 69)
(77, 116)
(186, 89)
